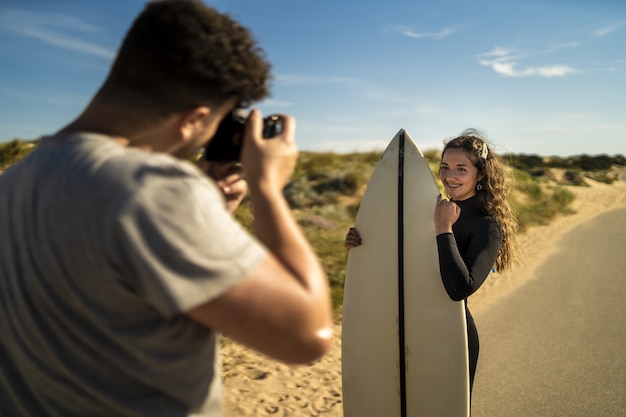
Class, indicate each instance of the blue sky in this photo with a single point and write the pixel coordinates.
(543, 77)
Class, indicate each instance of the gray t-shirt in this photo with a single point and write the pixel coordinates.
(101, 250)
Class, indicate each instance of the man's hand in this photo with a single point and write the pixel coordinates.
(269, 162)
(229, 178)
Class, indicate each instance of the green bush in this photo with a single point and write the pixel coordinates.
(433, 156)
(13, 151)
(542, 206)
(573, 177)
(562, 197)
(527, 184)
(602, 176)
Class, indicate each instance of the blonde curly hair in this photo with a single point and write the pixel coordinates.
(494, 193)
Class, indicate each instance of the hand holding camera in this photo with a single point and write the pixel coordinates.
(265, 147)
(226, 144)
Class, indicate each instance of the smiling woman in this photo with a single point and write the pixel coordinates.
(459, 177)
(469, 168)
(476, 227)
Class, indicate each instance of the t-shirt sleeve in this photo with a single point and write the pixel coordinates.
(462, 276)
(180, 247)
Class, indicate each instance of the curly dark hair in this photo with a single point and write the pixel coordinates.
(179, 54)
(494, 197)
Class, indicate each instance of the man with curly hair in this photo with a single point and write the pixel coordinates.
(120, 262)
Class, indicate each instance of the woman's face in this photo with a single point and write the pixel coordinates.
(458, 175)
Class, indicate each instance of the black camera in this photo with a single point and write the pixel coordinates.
(225, 145)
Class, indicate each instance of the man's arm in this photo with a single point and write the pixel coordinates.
(283, 307)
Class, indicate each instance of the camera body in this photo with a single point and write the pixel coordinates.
(225, 145)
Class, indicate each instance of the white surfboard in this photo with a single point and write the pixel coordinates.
(404, 341)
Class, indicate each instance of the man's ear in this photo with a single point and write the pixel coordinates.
(193, 122)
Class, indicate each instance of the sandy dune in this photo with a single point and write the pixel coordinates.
(257, 386)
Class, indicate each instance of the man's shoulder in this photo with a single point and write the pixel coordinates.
(102, 156)
(98, 167)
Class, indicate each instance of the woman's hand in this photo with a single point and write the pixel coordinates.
(446, 214)
(228, 176)
(353, 239)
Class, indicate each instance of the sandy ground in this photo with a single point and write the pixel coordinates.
(257, 386)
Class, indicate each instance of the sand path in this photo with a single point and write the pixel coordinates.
(257, 386)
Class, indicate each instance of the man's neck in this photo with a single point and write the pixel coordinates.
(114, 125)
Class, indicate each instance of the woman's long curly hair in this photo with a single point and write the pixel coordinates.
(495, 193)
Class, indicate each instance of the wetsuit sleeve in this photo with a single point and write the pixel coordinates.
(462, 276)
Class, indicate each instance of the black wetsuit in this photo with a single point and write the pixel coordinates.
(465, 259)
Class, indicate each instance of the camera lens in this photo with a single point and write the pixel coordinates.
(272, 126)
(225, 145)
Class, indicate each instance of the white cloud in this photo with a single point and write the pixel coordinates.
(605, 30)
(553, 71)
(53, 29)
(498, 52)
(509, 69)
(19, 18)
(508, 61)
(504, 61)
(406, 31)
